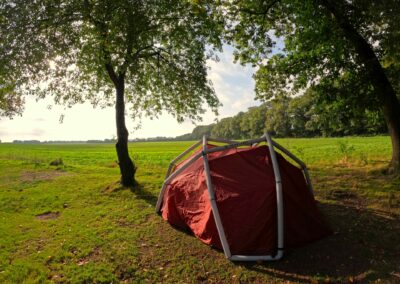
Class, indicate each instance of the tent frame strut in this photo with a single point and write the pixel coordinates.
(171, 174)
(301, 164)
(211, 194)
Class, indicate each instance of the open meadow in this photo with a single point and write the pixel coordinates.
(72, 223)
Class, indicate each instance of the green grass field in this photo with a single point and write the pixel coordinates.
(74, 224)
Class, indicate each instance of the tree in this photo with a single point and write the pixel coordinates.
(222, 128)
(235, 126)
(335, 111)
(201, 130)
(324, 40)
(253, 122)
(10, 104)
(301, 111)
(278, 118)
(148, 54)
(317, 112)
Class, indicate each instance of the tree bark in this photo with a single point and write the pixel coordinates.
(383, 88)
(126, 165)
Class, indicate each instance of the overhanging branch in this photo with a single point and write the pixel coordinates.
(259, 13)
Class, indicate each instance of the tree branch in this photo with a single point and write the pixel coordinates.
(116, 79)
(112, 74)
(258, 13)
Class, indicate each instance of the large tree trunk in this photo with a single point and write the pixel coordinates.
(383, 88)
(126, 165)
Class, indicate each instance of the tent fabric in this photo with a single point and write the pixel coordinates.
(244, 184)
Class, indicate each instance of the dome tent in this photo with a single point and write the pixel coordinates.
(248, 201)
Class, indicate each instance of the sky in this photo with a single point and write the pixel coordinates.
(232, 82)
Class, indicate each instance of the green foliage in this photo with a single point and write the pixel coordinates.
(252, 122)
(334, 114)
(319, 56)
(222, 129)
(316, 50)
(10, 102)
(303, 116)
(278, 117)
(346, 150)
(197, 133)
(77, 50)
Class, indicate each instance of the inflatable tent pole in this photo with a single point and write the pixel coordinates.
(173, 162)
(235, 145)
(172, 176)
(255, 144)
(172, 165)
(298, 161)
(279, 194)
(221, 140)
(217, 218)
(214, 207)
(279, 201)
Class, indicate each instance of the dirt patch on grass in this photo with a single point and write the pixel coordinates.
(31, 176)
(341, 195)
(48, 216)
(94, 255)
(171, 252)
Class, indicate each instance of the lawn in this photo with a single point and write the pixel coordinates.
(72, 223)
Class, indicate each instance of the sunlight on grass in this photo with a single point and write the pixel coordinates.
(73, 223)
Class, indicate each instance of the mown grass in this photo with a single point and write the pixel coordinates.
(72, 223)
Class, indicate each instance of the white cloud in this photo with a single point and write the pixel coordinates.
(233, 84)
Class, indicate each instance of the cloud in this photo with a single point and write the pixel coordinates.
(37, 132)
(21, 133)
(232, 82)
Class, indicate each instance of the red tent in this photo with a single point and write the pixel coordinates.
(251, 202)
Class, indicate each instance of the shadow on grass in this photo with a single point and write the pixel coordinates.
(364, 247)
(139, 190)
(148, 196)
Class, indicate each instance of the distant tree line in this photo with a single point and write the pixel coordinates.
(61, 141)
(26, 142)
(307, 115)
(93, 141)
(302, 116)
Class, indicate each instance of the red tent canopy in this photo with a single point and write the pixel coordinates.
(244, 183)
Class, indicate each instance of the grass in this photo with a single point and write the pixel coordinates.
(72, 223)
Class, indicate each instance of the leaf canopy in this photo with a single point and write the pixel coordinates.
(78, 50)
(316, 52)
